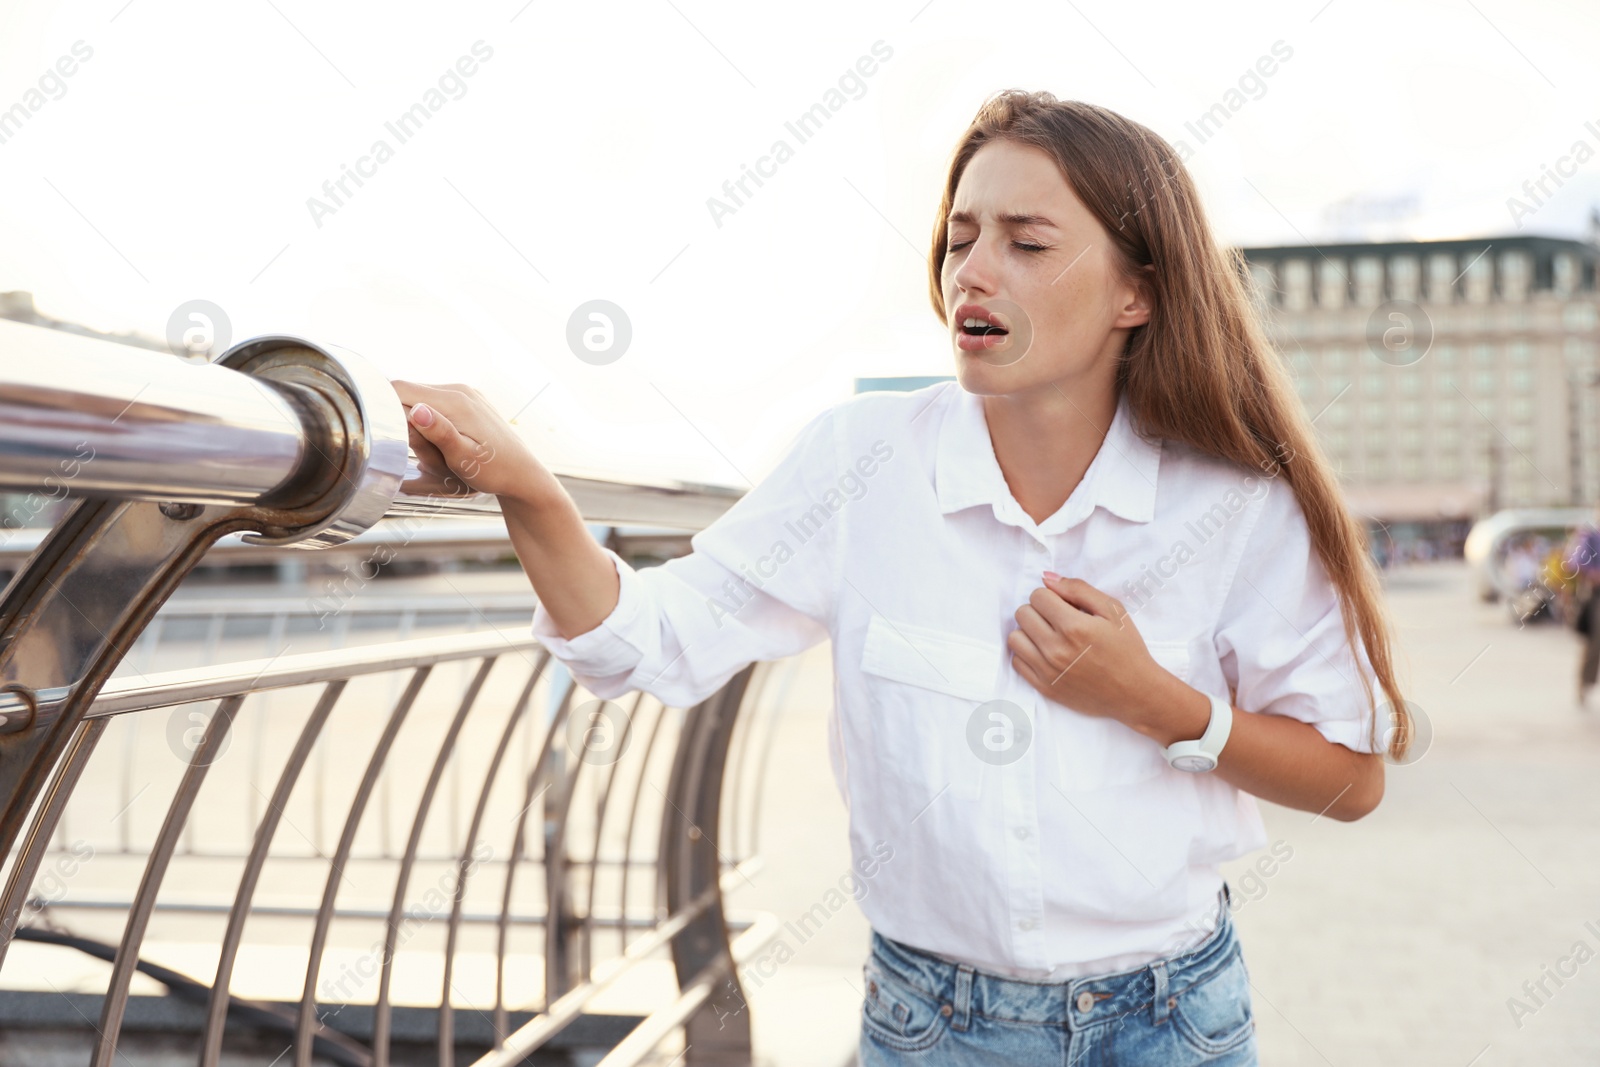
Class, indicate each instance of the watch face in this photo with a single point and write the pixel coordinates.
(1194, 763)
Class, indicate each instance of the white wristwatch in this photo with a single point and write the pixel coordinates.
(1202, 755)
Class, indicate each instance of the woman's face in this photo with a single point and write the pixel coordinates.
(1024, 252)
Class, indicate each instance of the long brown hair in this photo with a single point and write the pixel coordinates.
(1202, 370)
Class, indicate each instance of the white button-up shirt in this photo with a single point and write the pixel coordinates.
(1023, 837)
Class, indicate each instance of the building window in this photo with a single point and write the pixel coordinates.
(1479, 278)
(1522, 490)
(1441, 277)
(1447, 441)
(1520, 352)
(1444, 354)
(1333, 284)
(1566, 273)
(1410, 412)
(1515, 275)
(1369, 280)
(1296, 277)
(1265, 283)
(1483, 382)
(1404, 275)
(1449, 466)
(1411, 468)
(1446, 410)
(1410, 380)
(1522, 408)
(1376, 414)
(1446, 383)
(1483, 355)
(1578, 316)
(1522, 381)
(1374, 384)
(1336, 358)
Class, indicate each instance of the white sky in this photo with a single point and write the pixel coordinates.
(178, 162)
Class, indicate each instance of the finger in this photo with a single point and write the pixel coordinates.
(428, 454)
(1028, 673)
(1064, 617)
(436, 429)
(415, 392)
(1085, 597)
(1024, 652)
(1055, 647)
(456, 400)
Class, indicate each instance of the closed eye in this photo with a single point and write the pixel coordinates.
(1024, 245)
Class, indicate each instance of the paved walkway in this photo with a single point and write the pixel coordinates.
(1399, 939)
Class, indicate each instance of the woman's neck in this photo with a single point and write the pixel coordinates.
(1045, 439)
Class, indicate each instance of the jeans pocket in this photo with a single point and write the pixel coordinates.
(897, 1014)
(1214, 1015)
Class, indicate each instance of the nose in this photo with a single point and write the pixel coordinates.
(975, 273)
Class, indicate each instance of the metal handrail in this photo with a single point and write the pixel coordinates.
(292, 445)
(140, 425)
(121, 695)
(82, 417)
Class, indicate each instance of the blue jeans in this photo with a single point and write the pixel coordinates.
(1192, 1008)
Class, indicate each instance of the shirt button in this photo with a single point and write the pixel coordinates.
(1025, 924)
(1086, 1001)
(1037, 547)
(1021, 832)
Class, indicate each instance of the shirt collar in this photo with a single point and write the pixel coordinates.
(1121, 478)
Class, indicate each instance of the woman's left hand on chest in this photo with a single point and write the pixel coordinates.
(1078, 646)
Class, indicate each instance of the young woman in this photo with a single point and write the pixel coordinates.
(1043, 770)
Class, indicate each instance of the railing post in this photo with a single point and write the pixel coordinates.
(718, 1034)
(562, 971)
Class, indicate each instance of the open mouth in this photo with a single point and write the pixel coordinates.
(974, 327)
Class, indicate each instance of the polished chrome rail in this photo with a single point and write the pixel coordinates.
(505, 770)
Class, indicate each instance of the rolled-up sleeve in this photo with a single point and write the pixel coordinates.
(758, 584)
(1281, 636)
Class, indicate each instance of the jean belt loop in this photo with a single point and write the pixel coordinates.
(963, 1005)
(1158, 970)
(1227, 894)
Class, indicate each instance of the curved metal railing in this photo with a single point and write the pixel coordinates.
(546, 834)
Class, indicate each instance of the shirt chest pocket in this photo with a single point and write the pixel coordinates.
(1092, 752)
(934, 709)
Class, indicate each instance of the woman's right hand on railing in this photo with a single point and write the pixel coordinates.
(463, 444)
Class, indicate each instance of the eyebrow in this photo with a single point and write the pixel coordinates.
(1011, 218)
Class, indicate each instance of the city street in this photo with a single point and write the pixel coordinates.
(1405, 938)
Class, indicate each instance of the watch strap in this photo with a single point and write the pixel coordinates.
(1210, 744)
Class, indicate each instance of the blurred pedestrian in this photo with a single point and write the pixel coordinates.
(1583, 563)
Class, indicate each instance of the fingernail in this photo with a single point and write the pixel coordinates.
(1052, 576)
(421, 415)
